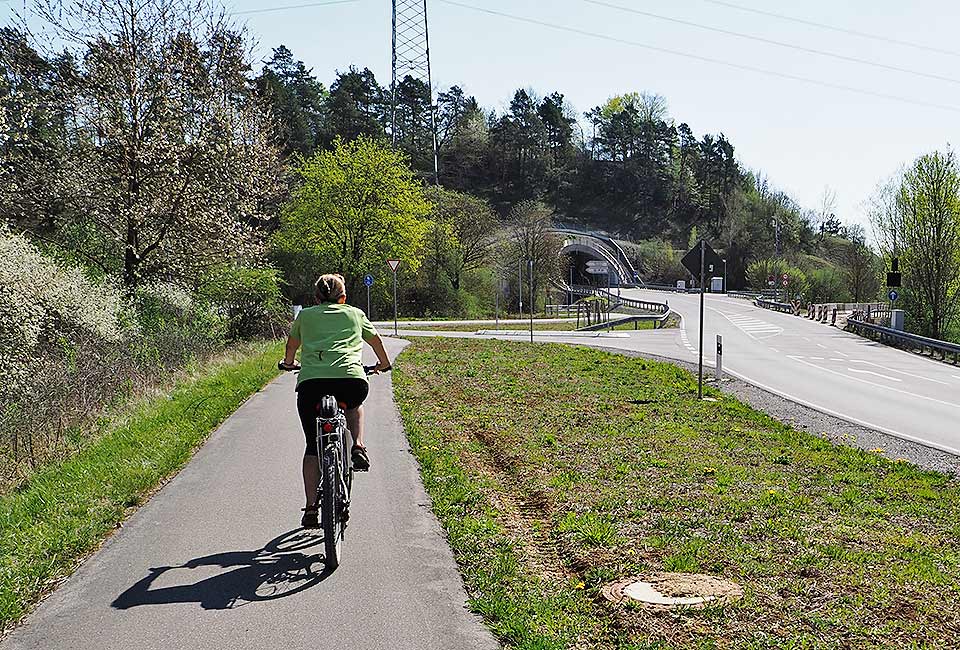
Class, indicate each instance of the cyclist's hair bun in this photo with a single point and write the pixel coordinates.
(330, 288)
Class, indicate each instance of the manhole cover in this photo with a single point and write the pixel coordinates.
(670, 590)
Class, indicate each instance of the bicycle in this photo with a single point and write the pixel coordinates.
(335, 441)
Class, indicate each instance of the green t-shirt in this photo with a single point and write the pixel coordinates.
(332, 336)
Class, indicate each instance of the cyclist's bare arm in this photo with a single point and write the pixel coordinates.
(290, 356)
(383, 361)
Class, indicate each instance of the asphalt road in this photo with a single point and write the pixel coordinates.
(217, 560)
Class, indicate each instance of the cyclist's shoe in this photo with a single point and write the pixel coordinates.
(361, 463)
(311, 518)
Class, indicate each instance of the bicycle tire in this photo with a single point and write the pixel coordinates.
(329, 511)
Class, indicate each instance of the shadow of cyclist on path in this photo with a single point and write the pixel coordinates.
(285, 566)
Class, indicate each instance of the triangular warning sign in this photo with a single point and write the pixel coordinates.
(393, 265)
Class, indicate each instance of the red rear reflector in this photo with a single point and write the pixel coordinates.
(328, 427)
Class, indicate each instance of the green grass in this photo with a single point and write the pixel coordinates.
(537, 327)
(556, 469)
(64, 511)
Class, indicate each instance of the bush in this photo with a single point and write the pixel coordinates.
(71, 347)
(249, 300)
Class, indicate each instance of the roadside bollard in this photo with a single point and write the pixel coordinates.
(834, 319)
(719, 358)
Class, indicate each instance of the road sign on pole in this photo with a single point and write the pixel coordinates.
(893, 295)
(701, 259)
(368, 282)
(394, 265)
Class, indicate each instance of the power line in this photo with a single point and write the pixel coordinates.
(705, 59)
(312, 4)
(770, 41)
(834, 28)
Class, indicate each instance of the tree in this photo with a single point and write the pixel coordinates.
(170, 165)
(355, 207)
(860, 266)
(357, 105)
(297, 100)
(530, 224)
(461, 232)
(919, 221)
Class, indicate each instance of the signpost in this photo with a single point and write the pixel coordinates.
(394, 265)
(532, 303)
(701, 259)
(368, 282)
(893, 295)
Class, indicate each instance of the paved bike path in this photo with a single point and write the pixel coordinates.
(216, 559)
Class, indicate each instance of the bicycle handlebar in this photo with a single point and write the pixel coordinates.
(367, 370)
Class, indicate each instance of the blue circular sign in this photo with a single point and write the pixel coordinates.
(368, 280)
(893, 295)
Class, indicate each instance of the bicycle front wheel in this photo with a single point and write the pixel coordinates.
(330, 517)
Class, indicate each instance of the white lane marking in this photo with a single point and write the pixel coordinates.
(873, 383)
(683, 335)
(775, 350)
(822, 346)
(900, 372)
(751, 326)
(955, 376)
(835, 359)
(842, 354)
(842, 416)
(816, 358)
(875, 374)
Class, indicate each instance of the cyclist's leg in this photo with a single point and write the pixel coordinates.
(307, 402)
(355, 424)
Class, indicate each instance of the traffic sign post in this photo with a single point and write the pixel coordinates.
(368, 282)
(532, 303)
(893, 295)
(394, 265)
(701, 258)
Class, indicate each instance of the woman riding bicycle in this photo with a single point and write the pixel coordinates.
(332, 335)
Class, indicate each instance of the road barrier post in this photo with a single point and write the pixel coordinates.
(719, 358)
(833, 321)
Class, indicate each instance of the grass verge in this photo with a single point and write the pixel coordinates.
(537, 327)
(556, 469)
(64, 511)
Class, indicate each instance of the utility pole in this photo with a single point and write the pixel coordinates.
(411, 58)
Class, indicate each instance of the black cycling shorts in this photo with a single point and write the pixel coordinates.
(349, 393)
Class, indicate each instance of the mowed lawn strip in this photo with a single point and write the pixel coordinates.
(537, 327)
(556, 469)
(66, 510)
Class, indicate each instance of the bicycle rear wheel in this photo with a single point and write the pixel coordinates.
(330, 518)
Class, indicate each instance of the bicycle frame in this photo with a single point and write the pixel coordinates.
(336, 478)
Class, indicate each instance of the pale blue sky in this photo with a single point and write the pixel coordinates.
(803, 136)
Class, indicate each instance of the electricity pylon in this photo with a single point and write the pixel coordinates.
(411, 57)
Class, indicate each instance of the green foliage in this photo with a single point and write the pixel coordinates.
(250, 300)
(759, 272)
(918, 220)
(355, 207)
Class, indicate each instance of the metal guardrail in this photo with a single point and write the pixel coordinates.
(746, 295)
(897, 338)
(612, 324)
(642, 305)
(784, 307)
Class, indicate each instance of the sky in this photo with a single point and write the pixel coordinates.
(803, 136)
